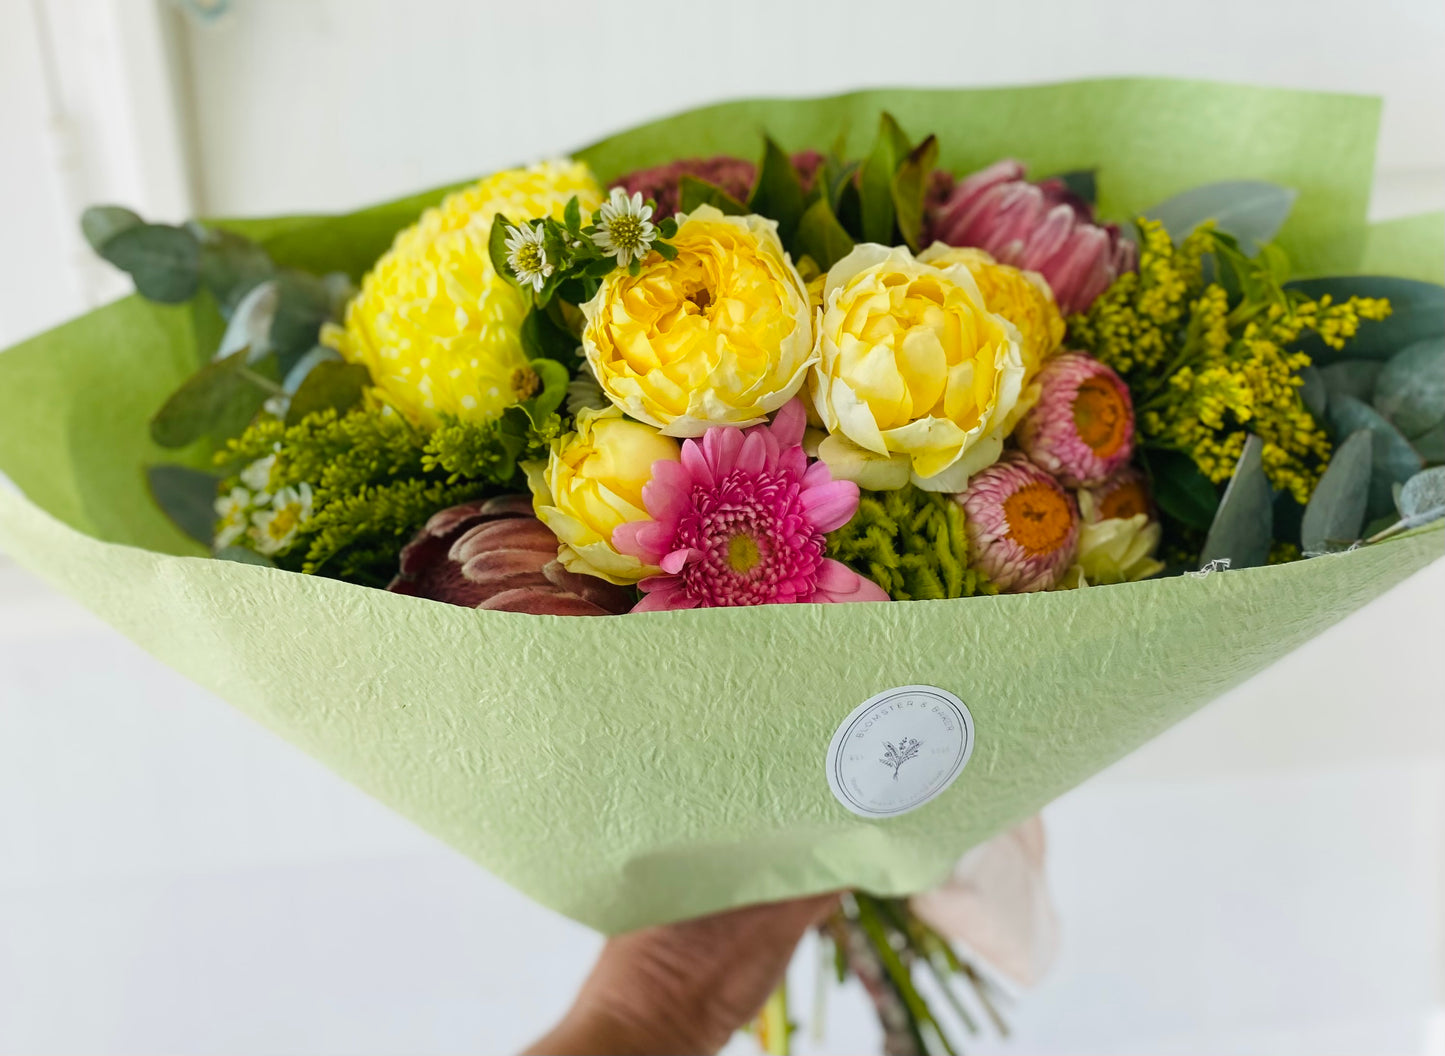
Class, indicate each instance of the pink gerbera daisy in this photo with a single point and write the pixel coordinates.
(740, 520)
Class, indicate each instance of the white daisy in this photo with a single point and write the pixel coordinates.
(625, 230)
(275, 528)
(257, 476)
(232, 516)
(527, 256)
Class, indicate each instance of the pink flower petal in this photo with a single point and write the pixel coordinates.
(666, 594)
(790, 422)
(830, 505)
(672, 563)
(696, 463)
(752, 456)
(839, 583)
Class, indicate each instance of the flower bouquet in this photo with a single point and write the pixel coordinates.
(533, 496)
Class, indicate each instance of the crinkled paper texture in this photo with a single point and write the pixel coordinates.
(637, 769)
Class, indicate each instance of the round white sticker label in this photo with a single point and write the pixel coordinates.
(898, 750)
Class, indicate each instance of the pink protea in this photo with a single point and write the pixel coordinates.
(662, 183)
(740, 520)
(1082, 427)
(1041, 227)
(1023, 527)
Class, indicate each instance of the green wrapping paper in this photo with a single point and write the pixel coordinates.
(638, 769)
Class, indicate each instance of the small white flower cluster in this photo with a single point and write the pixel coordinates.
(623, 230)
(268, 520)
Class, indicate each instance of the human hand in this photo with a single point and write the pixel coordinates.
(685, 987)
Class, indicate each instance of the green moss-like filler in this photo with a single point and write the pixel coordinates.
(911, 543)
(375, 479)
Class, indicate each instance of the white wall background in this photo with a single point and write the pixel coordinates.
(1269, 877)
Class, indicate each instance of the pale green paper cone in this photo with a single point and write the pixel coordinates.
(630, 770)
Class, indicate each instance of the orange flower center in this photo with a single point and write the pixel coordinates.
(1126, 500)
(1100, 416)
(1039, 518)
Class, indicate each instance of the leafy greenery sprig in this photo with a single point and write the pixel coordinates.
(572, 264)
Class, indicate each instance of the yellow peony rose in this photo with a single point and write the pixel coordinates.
(916, 380)
(591, 483)
(1112, 549)
(721, 335)
(1021, 297)
(433, 322)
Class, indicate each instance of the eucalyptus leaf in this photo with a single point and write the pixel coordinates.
(1410, 391)
(822, 237)
(250, 323)
(304, 303)
(1313, 391)
(100, 223)
(187, 496)
(1252, 211)
(693, 192)
(297, 374)
(218, 400)
(231, 266)
(163, 261)
(330, 385)
(1394, 460)
(1430, 445)
(1180, 490)
(778, 193)
(1417, 311)
(1081, 183)
(910, 187)
(1351, 377)
(1243, 527)
(1336, 510)
(1422, 499)
(544, 338)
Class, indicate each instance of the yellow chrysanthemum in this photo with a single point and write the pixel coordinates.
(1021, 297)
(434, 323)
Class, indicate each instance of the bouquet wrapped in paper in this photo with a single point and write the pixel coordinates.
(780, 497)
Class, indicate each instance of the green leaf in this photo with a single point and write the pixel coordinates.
(100, 223)
(910, 186)
(1351, 377)
(187, 496)
(298, 373)
(1243, 527)
(1082, 183)
(1417, 312)
(693, 192)
(497, 249)
(163, 261)
(231, 266)
(1252, 211)
(1336, 510)
(822, 237)
(875, 181)
(1181, 490)
(572, 216)
(1410, 390)
(778, 193)
(1430, 445)
(250, 323)
(1394, 461)
(218, 400)
(1422, 499)
(304, 302)
(331, 384)
(553, 390)
(543, 337)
